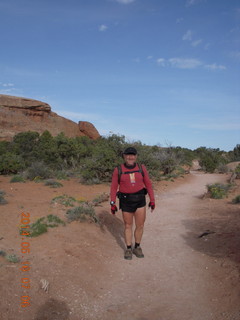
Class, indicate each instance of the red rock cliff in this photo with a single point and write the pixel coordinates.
(22, 114)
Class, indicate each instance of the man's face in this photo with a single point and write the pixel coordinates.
(130, 159)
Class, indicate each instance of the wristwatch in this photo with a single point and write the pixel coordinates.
(112, 203)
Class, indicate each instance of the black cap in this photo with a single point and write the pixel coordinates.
(130, 150)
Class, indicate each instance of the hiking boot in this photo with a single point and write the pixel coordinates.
(128, 254)
(138, 252)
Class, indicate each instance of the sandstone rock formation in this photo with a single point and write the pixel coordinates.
(22, 114)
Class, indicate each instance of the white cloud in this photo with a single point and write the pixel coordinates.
(196, 43)
(6, 91)
(190, 3)
(161, 62)
(125, 1)
(8, 85)
(190, 63)
(214, 66)
(102, 28)
(7, 88)
(181, 63)
(187, 36)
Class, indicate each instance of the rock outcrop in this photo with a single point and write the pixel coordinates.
(22, 114)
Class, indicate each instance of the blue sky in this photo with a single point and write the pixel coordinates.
(160, 72)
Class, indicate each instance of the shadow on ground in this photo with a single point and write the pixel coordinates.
(114, 225)
(216, 235)
(54, 310)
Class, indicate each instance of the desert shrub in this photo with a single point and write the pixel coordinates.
(38, 170)
(101, 198)
(4, 147)
(235, 154)
(11, 163)
(99, 167)
(210, 159)
(185, 156)
(41, 225)
(236, 199)
(63, 174)
(2, 253)
(37, 228)
(53, 221)
(237, 170)
(82, 213)
(222, 168)
(218, 191)
(46, 150)
(52, 183)
(208, 163)
(9, 257)
(17, 178)
(65, 200)
(12, 258)
(2, 199)
(168, 160)
(25, 144)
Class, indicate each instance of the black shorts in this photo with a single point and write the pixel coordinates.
(132, 201)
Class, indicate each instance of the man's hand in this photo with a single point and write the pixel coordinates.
(113, 207)
(152, 205)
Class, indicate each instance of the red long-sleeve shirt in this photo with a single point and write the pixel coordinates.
(131, 182)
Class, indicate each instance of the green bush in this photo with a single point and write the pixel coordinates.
(42, 224)
(82, 213)
(237, 170)
(222, 168)
(99, 199)
(218, 191)
(2, 253)
(12, 258)
(210, 159)
(2, 199)
(10, 163)
(9, 257)
(38, 170)
(52, 183)
(17, 178)
(65, 200)
(24, 144)
(235, 154)
(236, 199)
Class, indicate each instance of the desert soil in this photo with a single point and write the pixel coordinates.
(190, 270)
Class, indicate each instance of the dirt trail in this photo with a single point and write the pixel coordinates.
(186, 274)
(176, 280)
(173, 281)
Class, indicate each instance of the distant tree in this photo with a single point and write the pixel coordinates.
(236, 153)
(11, 163)
(210, 159)
(24, 144)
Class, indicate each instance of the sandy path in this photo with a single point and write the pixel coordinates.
(173, 281)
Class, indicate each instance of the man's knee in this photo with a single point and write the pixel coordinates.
(128, 226)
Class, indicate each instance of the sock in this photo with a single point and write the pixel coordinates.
(137, 245)
(129, 247)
